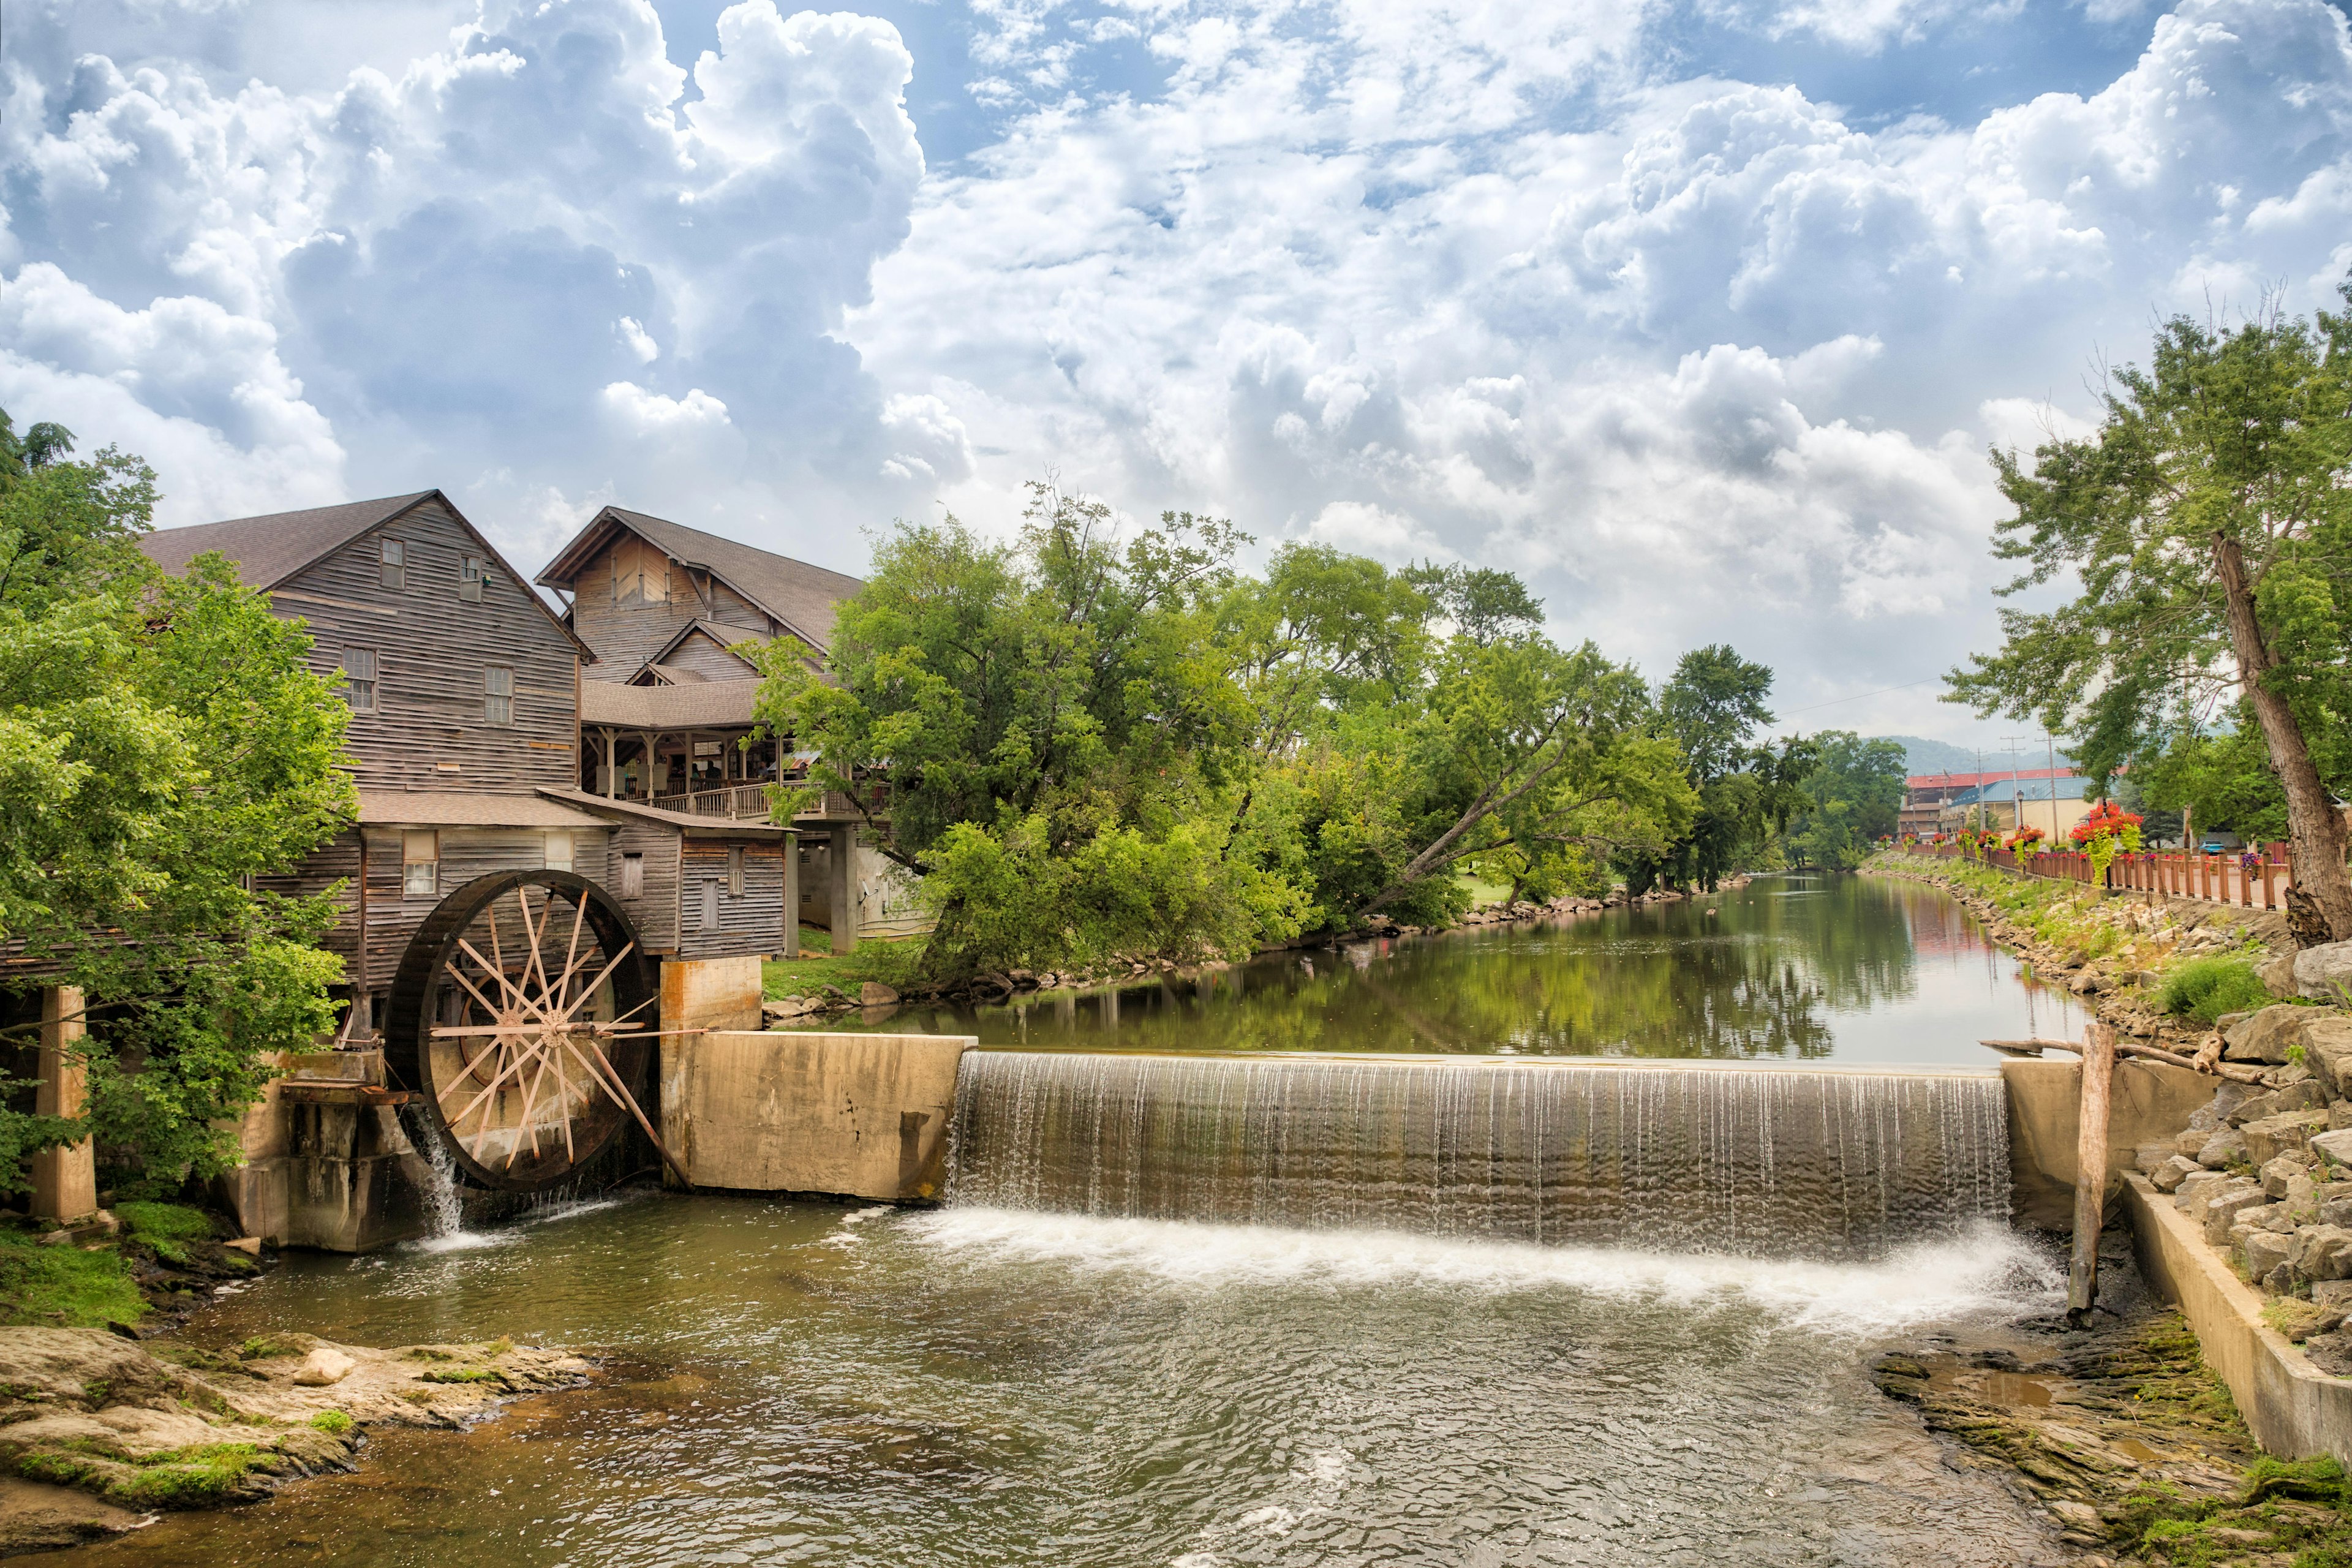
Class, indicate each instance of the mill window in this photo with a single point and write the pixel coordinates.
(393, 557)
(709, 906)
(358, 678)
(559, 851)
(632, 876)
(420, 863)
(735, 871)
(497, 695)
(469, 579)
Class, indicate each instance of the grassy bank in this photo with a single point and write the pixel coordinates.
(893, 960)
(95, 1282)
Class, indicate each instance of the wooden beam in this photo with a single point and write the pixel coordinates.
(2090, 1172)
(2235, 1072)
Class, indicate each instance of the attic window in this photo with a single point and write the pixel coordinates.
(420, 863)
(394, 557)
(469, 579)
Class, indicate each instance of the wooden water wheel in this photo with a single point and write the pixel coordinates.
(522, 1016)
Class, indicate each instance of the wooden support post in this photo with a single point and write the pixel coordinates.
(792, 895)
(2090, 1172)
(843, 899)
(65, 1180)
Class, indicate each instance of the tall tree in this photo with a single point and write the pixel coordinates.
(1711, 708)
(2207, 522)
(163, 743)
(1853, 797)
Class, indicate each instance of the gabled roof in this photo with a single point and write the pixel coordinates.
(794, 593)
(725, 636)
(2009, 790)
(271, 548)
(446, 809)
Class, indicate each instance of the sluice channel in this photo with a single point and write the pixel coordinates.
(1819, 1163)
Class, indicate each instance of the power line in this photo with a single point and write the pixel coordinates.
(1859, 695)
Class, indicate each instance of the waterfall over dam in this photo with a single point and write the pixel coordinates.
(1818, 1162)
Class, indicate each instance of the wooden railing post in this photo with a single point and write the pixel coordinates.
(2090, 1172)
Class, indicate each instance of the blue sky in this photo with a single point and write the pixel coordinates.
(1699, 315)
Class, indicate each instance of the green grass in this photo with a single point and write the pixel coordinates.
(333, 1423)
(896, 962)
(188, 1478)
(64, 1287)
(167, 1227)
(2205, 988)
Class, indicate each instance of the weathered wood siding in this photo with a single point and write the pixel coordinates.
(392, 918)
(432, 650)
(655, 909)
(657, 599)
(753, 921)
(700, 655)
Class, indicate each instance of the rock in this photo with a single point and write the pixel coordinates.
(2323, 1252)
(2278, 974)
(249, 1245)
(2215, 1111)
(2305, 1095)
(2264, 1250)
(2327, 1052)
(2275, 1175)
(2197, 1181)
(2168, 1177)
(2081, 1515)
(2225, 1147)
(2332, 1295)
(2281, 1279)
(2221, 1212)
(39, 1517)
(2334, 1146)
(2323, 972)
(2253, 1107)
(2191, 1142)
(2149, 1158)
(2274, 1135)
(323, 1368)
(874, 994)
(2265, 1037)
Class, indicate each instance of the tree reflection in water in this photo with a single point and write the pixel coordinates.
(1788, 968)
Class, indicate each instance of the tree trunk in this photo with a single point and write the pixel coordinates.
(2314, 833)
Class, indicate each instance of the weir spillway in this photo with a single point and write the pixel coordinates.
(1827, 1163)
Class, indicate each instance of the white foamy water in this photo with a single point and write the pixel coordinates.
(1986, 1271)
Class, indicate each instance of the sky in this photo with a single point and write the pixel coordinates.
(1701, 315)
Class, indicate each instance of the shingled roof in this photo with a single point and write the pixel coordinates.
(269, 550)
(799, 595)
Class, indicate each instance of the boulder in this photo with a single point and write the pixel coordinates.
(2276, 1173)
(2262, 1250)
(2323, 1252)
(2332, 1295)
(2281, 1279)
(2222, 1210)
(2168, 1176)
(2305, 1095)
(2149, 1158)
(2274, 1136)
(874, 994)
(2225, 1147)
(2190, 1140)
(2335, 1147)
(2253, 1107)
(2226, 1100)
(324, 1367)
(2265, 1037)
(2194, 1185)
(2323, 972)
(2327, 1052)
(2278, 974)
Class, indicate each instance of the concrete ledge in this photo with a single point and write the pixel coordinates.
(2295, 1410)
(2148, 1100)
(778, 1111)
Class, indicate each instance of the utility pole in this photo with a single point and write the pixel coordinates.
(2016, 788)
(2051, 751)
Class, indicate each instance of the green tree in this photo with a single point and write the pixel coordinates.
(162, 745)
(39, 447)
(1853, 796)
(2205, 522)
(1711, 708)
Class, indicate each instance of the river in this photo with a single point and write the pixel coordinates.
(813, 1382)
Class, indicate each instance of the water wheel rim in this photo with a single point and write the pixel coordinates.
(532, 1038)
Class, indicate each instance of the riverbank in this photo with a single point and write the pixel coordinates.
(99, 1432)
(2124, 1437)
(885, 973)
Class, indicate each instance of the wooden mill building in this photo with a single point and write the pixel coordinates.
(466, 690)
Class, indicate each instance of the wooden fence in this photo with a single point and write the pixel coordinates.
(2257, 879)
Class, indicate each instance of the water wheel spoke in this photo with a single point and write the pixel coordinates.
(490, 1006)
(570, 958)
(594, 1059)
(520, 1000)
(530, 1098)
(512, 1064)
(626, 949)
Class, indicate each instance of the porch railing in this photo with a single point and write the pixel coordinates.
(749, 803)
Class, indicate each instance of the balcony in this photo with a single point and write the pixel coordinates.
(749, 803)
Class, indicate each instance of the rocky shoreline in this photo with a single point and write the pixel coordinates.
(99, 1432)
(999, 986)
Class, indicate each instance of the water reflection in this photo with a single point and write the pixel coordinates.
(1790, 969)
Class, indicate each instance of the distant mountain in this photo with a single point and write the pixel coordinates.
(1921, 755)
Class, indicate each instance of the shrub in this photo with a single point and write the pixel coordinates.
(2205, 988)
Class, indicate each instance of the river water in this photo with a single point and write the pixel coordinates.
(1796, 968)
(1042, 1373)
